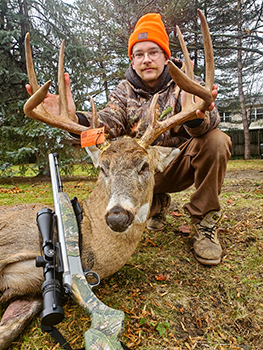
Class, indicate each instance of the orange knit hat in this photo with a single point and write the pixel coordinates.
(150, 27)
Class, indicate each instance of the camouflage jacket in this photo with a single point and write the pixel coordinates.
(129, 102)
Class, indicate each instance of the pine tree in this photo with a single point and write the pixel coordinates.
(24, 140)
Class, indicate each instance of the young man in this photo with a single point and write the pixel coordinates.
(204, 148)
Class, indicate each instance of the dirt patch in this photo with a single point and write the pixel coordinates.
(245, 174)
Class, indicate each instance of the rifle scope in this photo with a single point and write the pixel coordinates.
(51, 288)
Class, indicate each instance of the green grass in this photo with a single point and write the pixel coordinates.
(30, 170)
(41, 192)
(240, 165)
(170, 301)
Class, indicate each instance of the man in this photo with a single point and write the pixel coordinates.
(204, 148)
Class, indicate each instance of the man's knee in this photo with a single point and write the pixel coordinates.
(216, 142)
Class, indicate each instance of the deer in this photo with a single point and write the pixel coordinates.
(115, 213)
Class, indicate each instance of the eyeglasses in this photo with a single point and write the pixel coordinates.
(153, 54)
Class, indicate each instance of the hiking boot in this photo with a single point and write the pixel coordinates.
(207, 249)
(158, 221)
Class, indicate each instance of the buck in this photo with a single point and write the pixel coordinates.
(115, 213)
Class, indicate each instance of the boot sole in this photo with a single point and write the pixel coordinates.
(206, 261)
(155, 229)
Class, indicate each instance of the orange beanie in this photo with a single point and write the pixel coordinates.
(150, 27)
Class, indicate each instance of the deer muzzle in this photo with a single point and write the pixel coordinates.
(119, 219)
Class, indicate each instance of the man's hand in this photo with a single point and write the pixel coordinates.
(214, 93)
(199, 113)
(51, 102)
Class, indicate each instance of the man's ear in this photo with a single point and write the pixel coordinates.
(163, 156)
(166, 59)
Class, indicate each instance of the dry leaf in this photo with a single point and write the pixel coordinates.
(184, 229)
(160, 278)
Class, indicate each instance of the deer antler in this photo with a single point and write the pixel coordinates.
(34, 107)
(185, 82)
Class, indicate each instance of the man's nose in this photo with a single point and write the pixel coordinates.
(146, 57)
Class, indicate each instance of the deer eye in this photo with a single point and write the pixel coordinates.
(144, 169)
(104, 168)
(103, 171)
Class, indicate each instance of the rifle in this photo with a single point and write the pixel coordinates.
(63, 273)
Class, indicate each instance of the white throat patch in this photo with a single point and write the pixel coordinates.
(142, 214)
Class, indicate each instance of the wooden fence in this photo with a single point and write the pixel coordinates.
(237, 137)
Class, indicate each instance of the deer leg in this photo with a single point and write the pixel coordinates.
(17, 315)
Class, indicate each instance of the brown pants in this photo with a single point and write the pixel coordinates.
(202, 162)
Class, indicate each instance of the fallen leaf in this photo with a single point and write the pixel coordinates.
(176, 213)
(160, 278)
(185, 230)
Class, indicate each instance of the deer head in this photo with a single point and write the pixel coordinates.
(124, 207)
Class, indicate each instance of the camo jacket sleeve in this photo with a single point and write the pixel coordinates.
(211, 121)
(114, 116)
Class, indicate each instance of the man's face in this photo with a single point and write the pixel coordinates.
(148, 68)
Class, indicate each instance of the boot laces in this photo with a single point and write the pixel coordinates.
(207, 232)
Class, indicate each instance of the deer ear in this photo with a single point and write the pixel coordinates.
(166, 155)
(94, 153)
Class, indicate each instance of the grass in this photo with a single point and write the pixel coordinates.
(241, 165)
(30, 170)
(170, 301)
(41, 192)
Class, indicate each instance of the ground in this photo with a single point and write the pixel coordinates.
(171, 301)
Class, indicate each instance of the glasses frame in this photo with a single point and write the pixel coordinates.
(160, 51)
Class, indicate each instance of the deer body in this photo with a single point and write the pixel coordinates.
(128, 188)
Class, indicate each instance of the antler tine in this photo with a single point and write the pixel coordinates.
(152, 114)
(94, 117)
(30, 65)
(208, 49)
(154, 126)
(61, 82)
(187, 83)
(34, 107)
(188, 63)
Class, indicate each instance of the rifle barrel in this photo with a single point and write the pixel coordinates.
(56, 188)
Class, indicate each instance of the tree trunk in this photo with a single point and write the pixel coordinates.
(247, 152)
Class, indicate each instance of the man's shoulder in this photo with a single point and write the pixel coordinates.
(122, 90)
(122, 85)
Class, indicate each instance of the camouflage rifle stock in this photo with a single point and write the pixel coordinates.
(106, 323)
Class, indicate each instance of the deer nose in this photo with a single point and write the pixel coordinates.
(119, 219)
